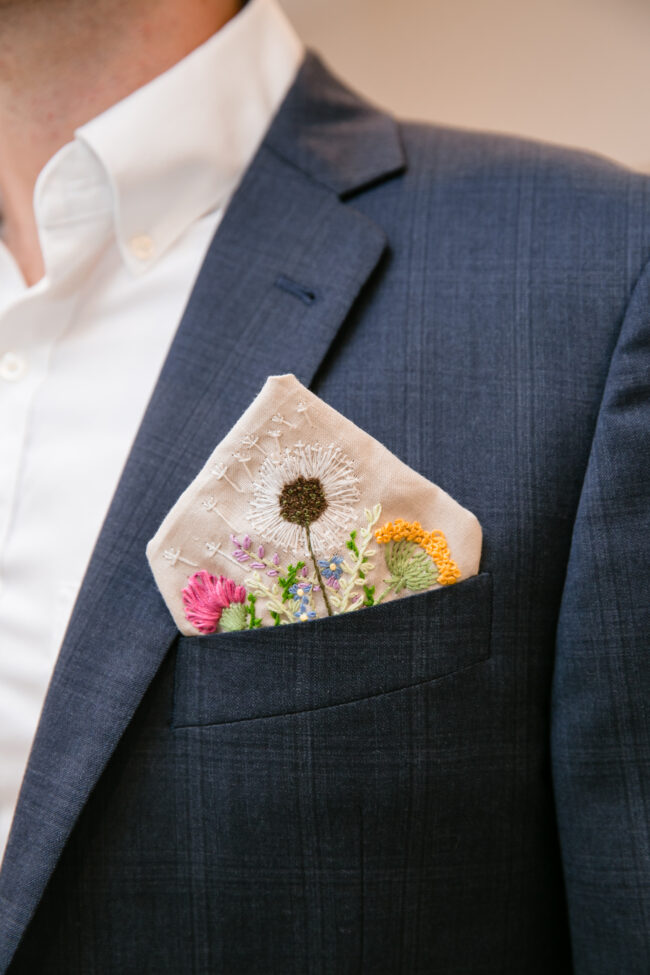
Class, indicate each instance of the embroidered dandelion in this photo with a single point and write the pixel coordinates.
(306, 497)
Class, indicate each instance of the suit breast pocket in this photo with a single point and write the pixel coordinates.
(277, 671)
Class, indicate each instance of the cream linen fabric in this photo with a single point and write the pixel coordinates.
(229, 520)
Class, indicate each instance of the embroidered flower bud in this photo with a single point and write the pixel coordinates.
(206, 596)
(246, 542)
(273, 572)
(260, 552)
(276, 559)
(257, 565)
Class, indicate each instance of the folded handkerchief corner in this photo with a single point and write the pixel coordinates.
(298, 514)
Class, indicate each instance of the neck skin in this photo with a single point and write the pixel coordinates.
(62, 62)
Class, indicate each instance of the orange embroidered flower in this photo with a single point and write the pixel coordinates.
(433, 543)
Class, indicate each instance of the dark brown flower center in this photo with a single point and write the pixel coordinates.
(302, 501)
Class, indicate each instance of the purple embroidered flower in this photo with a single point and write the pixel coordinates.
(206, 596)
(332, 570)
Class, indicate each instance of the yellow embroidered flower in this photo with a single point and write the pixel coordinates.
(433, 543)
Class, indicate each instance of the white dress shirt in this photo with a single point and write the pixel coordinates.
(125, 214)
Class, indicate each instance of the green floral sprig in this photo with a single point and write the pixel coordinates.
(289, 580)
(356, 566)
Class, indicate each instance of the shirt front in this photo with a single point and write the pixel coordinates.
(125, 213)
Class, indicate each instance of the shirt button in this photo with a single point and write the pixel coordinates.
(12, 367)
(141, 247)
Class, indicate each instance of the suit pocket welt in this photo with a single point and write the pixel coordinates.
(284, 670)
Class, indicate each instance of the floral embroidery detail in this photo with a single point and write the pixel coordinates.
(357, 565)
(307, 495)
(314, 483)
(410, 568)
(433, 543)
(331, 570)
(234, 618)
(300, 590)
(206, 597)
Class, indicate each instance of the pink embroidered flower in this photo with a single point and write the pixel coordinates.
(205, 597)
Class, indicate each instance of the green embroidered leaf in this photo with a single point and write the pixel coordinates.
(351, 543)
(275, 617)
(370, 596)
(290, 580)
(234, 618)
(255, 622)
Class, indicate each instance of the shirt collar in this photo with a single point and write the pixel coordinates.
(176, 148)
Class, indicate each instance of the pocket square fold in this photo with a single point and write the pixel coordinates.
(299, 514)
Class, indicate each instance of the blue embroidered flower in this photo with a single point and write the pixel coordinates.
(300, 590)
(304, 613)
(332, 569)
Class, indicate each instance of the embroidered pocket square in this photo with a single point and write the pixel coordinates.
(299, 514)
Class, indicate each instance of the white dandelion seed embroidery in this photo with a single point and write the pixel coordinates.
(220, 471)
(278, 418)
(214, 549)
(251, 441)
(330, 474)
(244, 461)
(211, 505)
(173, 555)
(303, 408)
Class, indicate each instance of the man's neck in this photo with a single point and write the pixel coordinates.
(62, 62)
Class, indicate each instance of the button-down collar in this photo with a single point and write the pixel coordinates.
(177, 147)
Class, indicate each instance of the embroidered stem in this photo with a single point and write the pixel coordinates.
(384, 594)
(318, 575)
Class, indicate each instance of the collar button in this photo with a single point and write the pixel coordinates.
(141, 246)
(12, 367)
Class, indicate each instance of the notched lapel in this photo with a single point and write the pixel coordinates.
(245, 320)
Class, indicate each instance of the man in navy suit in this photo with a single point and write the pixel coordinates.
(480, 305)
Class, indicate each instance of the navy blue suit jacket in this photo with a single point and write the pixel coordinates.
(454, 782)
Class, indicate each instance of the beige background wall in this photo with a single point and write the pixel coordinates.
(569, 71)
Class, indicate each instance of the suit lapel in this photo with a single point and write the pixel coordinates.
(287, 263)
